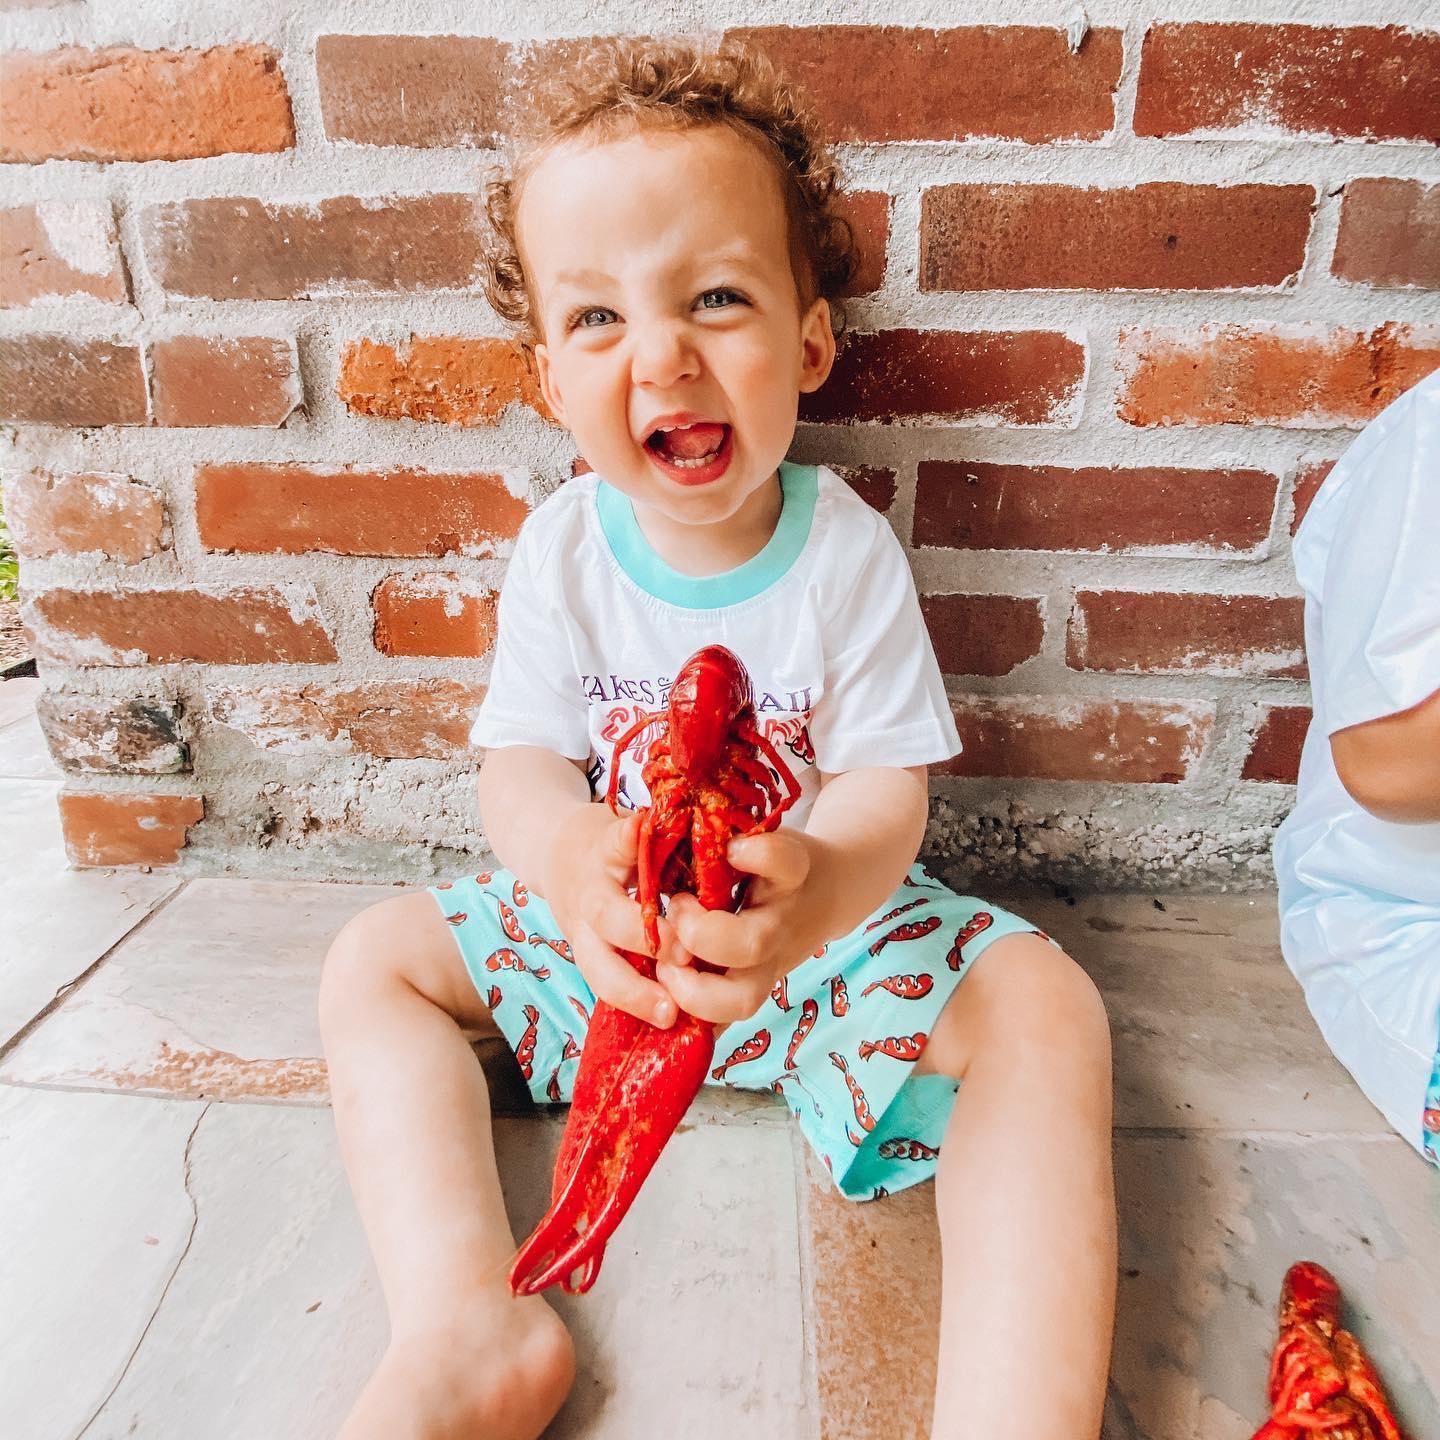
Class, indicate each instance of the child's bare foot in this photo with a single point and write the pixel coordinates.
(499, 1372)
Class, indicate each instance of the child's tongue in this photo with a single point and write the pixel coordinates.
(692, 442)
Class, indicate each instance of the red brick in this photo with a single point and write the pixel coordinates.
(292, 509)
(1227, 374)
(434, 614)
(1307, 486)
(874, 484)
(874, 83)
(983, 634)
(414, 90)
(57, 250)
(1037, 737)
(126, 829)
(974, 505)
(1276, 745)
(110, 733)
(868, 212)
(390, 719)
(239, 248)
(127, 104)
(1183, 633)
(445, 378)
(84, 514)
(1028, 377)
(1389, 233)
(67, 380)
(225, 380)
(1355, 82)
(1162, 236)
(243, 625)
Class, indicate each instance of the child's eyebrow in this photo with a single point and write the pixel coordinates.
(739, 256)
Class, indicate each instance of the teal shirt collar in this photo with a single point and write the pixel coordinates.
(799, 485)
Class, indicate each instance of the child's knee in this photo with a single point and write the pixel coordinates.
(362, 960)
(1046, 997)
(1024, 998)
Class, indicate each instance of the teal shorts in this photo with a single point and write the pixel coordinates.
(837, 1039)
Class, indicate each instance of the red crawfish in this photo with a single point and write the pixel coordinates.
(712, 778)
(781, 996)
(897, 1047)
(506, 959)
(809, 1013)
(903, 987)
(560, 947)
(910, 930)
(898, 1147)
(1322, 1384)
(857, 1095)
(525, 1050)
(898, 910)
(510, 922)
(980, 921)
(752, 1049)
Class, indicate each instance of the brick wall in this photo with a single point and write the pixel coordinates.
(1125, 298)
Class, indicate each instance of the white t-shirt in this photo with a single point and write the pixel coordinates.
(594, 626)
(1360, 896)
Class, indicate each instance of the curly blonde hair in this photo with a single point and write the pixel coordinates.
(621, 85)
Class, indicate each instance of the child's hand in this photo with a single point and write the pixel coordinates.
(778, 928)
(592, 860)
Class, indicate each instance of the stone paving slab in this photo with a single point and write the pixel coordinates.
(1210, 1028)
(1209, 1225)
(57, 922)
(18, 697)
(215, 998)
(24, 755)
(204, 1274)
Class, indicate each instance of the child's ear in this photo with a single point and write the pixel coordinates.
(817, 346)
(548, 390)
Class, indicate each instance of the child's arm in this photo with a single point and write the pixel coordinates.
(542, 825)
(810, 887)
(1391, 766)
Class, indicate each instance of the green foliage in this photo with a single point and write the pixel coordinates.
(9, 566)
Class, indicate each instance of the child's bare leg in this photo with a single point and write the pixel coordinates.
(413, 1116)
(1025, 1198)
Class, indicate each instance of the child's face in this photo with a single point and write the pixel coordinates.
(660, 274)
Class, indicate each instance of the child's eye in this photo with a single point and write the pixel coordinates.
(580, 318)
(733, 294)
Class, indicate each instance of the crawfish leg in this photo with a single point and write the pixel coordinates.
(660, 833)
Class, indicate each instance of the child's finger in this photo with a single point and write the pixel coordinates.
(615, 917)
(621, 845)
(618, 983)
(721, 999)
(781, 859)
(737, 942)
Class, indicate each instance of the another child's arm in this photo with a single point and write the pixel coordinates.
(542, 825)
(811, 886)
(1391, 766)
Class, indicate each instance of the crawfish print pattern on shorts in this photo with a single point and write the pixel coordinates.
(837, 1039)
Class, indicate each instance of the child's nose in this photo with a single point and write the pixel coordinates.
(662, 353)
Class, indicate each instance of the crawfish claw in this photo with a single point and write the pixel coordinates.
(635, 1084)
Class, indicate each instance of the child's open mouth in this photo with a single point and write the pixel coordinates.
(692, 454)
